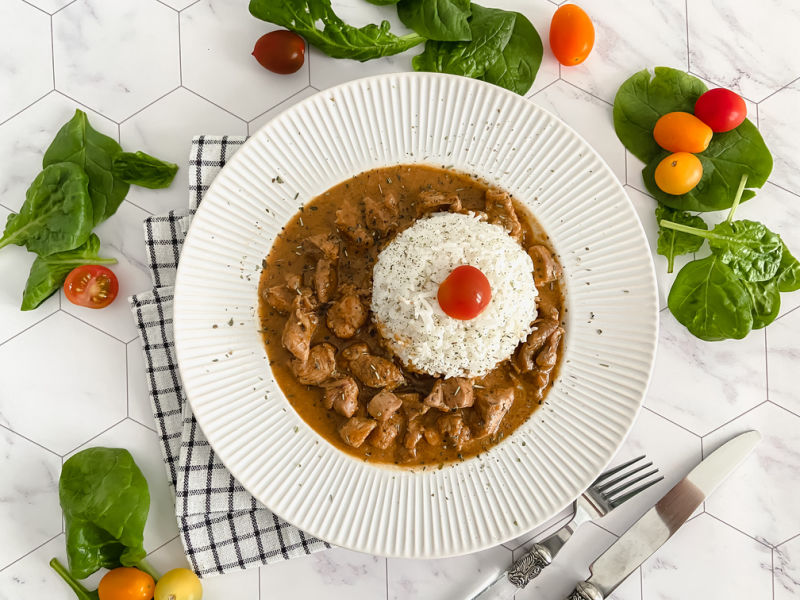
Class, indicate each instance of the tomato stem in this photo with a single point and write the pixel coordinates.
(145, 566)
(738, 197)
(81, 592)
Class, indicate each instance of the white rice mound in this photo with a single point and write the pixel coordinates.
(406, 281)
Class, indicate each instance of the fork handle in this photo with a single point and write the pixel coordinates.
(530, 565)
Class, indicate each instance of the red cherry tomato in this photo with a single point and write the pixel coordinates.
(93, 286)
(280, 51)
(720, 109)
(465, 293)
(571, 35)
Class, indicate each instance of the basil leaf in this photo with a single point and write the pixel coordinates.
(56, 214)
(788, 277)
(49, 272)
(643, 98)
(143, 170)
(443, 20)
(729, 156)
(491, 29)
(748, 247)
(672, 243)
(336, 38)
(105, 501)
(516, 67)
(766, 300)
(710, 301)
(77, 142)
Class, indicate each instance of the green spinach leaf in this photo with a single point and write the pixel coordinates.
(491, 29)
(672, 243)
(643, 98)
(788, 277)
(710, 301)
(748, 247)
(105, 501)
(80, 591)
(57, 212)
(516, 67)
(77, 142)
(49, 272)
(443, 20)
(143, 170)
(336, 38)
(766, 300)
(383, 2)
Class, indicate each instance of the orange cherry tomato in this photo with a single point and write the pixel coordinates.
(571, 35)
(465, 293)
(126, 583)
(682, 132)
(678, 173)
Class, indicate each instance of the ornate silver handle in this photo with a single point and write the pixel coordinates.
(586, 591)
(529, 566)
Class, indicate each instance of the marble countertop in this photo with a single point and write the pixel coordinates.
(152, 73)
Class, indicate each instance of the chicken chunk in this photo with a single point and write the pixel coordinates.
(501, 211)
(545, 267)
(450, 394)
(300, 327)
(454, 429)
(346, 315)
(323, 245)
(348, 221)
(431, 201)
(386, 432)
(414, 432)
(381, 215)
(324, 279)
(342, 396)
(546, 361)
(524, 360)
(319, 366)
(279, 297)
(383, 405)
(412, 407)
(492, 405)
(355, 430)
(354, 351)
(376, 372)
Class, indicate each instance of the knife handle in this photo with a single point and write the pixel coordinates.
(586, 591)
(529, 566)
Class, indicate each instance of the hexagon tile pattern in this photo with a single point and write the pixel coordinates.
(153, 73)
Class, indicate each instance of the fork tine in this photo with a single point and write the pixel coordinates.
(617, 469)
(609, 484)
(626, 484)
(625, 497)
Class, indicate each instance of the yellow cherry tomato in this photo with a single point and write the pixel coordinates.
(678, 173)
(682, 132)
(179, 584)
(126, 583)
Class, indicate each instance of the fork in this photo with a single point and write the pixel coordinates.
(607, 492)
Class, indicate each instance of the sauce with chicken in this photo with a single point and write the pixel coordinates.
(328, 357)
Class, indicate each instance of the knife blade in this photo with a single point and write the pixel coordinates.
(658, 524)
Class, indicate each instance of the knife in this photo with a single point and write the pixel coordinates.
(659, 523)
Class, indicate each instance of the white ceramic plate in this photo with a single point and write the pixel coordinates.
(611, 320)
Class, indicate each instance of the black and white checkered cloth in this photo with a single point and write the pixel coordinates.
(222, 526)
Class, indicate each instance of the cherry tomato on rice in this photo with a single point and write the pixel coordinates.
(464, 293)
(126, 583)
(720, 109)
(571, 35)
(93, 286)
(682, 132)
(678, 173)
(280, 51)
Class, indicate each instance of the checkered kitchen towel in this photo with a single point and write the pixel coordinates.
(222, 526)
